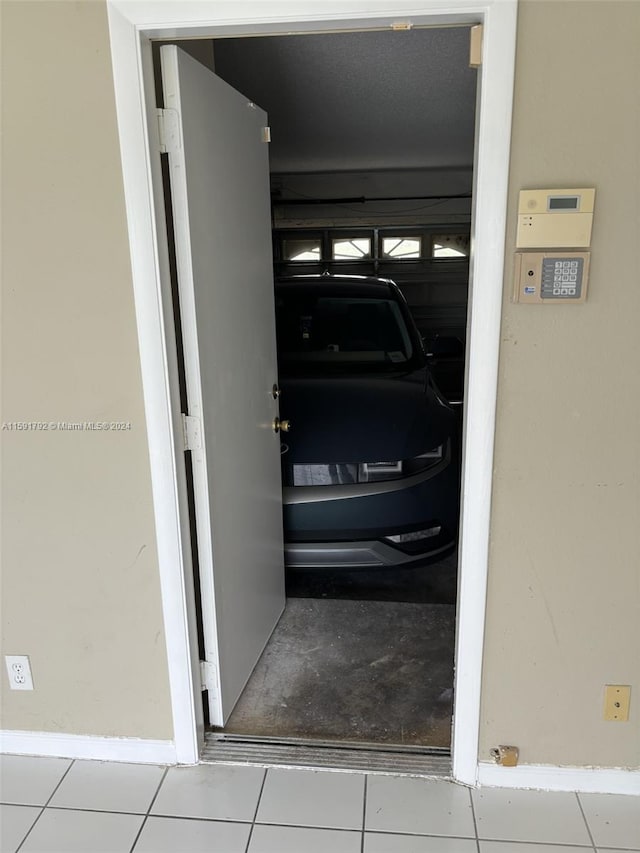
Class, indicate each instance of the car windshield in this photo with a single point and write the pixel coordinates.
(342, 332)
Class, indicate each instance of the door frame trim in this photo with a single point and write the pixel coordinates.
(132, 24)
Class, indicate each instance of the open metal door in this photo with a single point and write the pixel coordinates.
(219, 175)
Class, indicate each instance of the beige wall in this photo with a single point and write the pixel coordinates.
(80, 587)
(80, 581)
(564, 584)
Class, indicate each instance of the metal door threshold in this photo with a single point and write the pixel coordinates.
(323, 755)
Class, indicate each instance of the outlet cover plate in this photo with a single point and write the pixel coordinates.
(19, 672)
(617, 698)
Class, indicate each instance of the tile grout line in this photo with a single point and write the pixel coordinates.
(579, 848)
(153, 799)
(475, 822)
(586, 822)
(364, 811)
(87, 810)
(255, 814)
(430, 835)
(200, 818)
(62, 778)
(372, 831)
(532, 844)
(30, 828)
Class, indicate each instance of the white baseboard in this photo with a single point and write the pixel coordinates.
(598, 780)
(135, 750)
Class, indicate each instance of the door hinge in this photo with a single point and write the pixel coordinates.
(168, 131)
(266, 134)
(475, 46)
(208, 677)
(192, 432)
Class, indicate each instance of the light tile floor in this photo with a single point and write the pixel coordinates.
(53, 805)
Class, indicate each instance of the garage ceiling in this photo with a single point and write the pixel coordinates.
(359, 101)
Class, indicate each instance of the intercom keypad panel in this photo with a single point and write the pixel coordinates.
(562, 278)
(551, 277)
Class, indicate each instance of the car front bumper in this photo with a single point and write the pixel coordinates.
(350, 529)
(373, 554)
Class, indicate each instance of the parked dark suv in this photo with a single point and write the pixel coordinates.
(370, 466)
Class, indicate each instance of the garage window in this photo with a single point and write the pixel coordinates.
(307, 249)
(350, 248)
(450, 246)
(401, 247)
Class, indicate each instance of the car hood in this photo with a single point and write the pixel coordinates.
(347, 419)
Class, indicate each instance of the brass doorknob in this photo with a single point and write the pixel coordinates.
(281, 425)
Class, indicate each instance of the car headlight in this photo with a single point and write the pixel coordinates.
(374, 472)
(365, 472)
(424, 461)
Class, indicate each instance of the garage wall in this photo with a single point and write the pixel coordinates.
(80, 586)
(564, 583)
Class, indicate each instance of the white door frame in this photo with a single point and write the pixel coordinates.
(132, 24)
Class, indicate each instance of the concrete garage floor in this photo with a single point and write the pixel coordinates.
(348, 670)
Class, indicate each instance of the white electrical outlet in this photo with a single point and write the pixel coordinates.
(19, 672)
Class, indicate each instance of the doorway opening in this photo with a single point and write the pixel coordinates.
(132, 29)
(374, 646)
